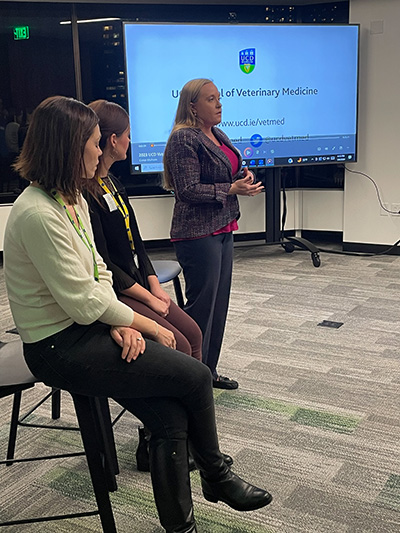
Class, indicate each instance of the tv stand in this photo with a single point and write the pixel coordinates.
(273, 232)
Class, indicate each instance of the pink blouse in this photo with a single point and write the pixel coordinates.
(233, 158)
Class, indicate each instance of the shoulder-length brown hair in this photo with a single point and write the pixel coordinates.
(53, 150)
(185, 118)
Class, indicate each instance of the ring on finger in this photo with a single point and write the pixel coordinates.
(139, 338)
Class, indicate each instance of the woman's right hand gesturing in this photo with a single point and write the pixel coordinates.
(246, 187)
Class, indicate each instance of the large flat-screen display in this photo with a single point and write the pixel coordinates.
(288, 92)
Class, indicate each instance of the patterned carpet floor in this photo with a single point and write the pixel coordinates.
(315, 419)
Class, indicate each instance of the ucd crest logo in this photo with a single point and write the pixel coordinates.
(247, 60)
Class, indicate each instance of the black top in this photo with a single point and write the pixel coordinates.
(112, 241)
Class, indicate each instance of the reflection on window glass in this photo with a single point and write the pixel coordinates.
(36, 61)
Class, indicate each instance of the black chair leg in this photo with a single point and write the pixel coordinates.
(100, 466)
(56, 404)
(178, 292)
(107, 436)
(13, 427)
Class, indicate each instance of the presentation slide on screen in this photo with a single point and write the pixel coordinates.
(288, 93)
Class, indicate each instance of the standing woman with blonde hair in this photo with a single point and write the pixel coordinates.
(205, 172)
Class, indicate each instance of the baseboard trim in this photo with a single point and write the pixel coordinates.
(371, 248)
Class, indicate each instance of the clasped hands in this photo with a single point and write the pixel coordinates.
(160, 302)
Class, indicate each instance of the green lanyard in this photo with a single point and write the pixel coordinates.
(80, 230)
(121, 207)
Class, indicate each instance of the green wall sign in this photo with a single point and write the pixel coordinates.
(21, 33)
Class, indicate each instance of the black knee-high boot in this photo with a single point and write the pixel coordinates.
(171, 484)
(218, 482)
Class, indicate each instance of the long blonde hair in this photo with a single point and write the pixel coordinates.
(185, 117)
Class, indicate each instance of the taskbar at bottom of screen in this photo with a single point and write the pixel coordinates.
(298, 160)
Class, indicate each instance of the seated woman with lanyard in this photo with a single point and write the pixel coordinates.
(118, 239)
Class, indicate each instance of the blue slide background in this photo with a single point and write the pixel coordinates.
(160, 59)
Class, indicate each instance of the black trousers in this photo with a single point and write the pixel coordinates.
(207, 269)
(163, 387)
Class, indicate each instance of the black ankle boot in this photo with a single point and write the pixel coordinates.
(142, 452)
(234, 491)
(219, 483)
(171, 484)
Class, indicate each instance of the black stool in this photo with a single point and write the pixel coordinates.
(94, 421)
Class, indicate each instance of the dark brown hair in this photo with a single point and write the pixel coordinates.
(53, 150)
(112, 119)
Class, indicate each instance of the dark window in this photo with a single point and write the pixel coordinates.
(30, 70)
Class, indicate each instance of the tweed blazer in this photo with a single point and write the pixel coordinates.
(201, 176)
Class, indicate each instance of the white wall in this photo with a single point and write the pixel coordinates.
(154, 215)
(317, 210)
(4, 212)
(311, 209)
(379, 125)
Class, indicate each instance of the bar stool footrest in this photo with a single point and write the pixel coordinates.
(48, 518)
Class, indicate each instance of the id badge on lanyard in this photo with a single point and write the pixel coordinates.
(109, 200)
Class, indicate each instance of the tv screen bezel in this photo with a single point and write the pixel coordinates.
(318, 161)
